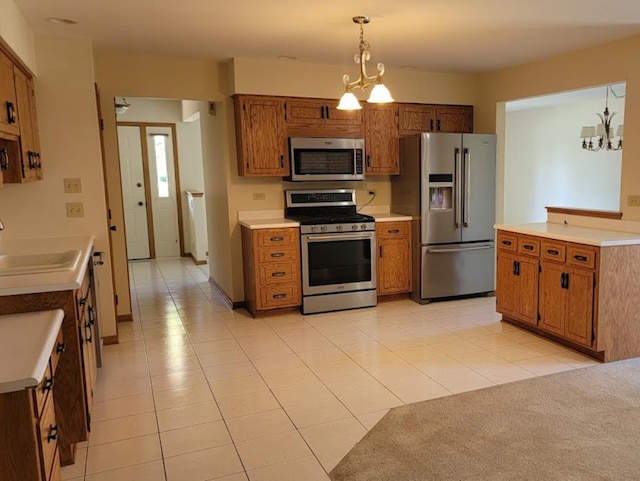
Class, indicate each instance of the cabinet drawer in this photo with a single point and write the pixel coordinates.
(393, 229)
(280, 253)
(281, 273)
(41, 392)
(529, 246)
(507, 242)
(276, 237)
(581, 256)
(554, 251)
(279, 296)
(58, 348)
(48, 433)
(56, 474)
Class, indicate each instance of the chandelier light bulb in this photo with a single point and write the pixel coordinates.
(604, 131)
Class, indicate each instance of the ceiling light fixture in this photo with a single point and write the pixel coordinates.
(604, 130)
(122, 107)
(379, 94)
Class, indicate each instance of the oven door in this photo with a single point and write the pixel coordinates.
(333, 263)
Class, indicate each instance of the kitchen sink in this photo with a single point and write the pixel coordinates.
(19, 264)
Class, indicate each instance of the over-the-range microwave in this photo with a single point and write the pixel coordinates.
(321, 158)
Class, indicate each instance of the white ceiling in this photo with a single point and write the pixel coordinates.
(434, 35)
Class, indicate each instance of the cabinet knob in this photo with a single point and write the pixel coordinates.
(61, 347)
(11, 113)
(48, 384)
(53, 433)
(277, 254)
(279, 296)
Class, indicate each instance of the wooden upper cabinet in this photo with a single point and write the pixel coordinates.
(454, 119)
(415, 118)
(8, 108)
(261, 136)
(382, 150)
(29, 138)
(320, 118)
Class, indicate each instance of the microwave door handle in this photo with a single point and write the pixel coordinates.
(467, 187)
(458, 174)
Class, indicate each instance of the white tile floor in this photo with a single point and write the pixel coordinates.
(196, 391)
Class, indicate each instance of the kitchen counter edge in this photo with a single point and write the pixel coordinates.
(570, 233)
(282, 222)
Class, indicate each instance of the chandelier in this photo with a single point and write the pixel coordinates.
(379, 94)
(604, 132)
(122, 107)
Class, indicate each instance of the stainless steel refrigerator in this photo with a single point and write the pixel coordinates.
(447, 182)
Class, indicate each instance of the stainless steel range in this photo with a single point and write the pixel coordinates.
(338, 250)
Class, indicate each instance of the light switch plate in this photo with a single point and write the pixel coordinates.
(633, 200)
(73, 185)
(75, 209)
(258, 196)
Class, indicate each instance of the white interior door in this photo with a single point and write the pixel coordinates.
(163, 191)
(133, 192)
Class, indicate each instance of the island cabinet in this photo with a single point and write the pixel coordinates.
(261, 136)
(382, 149)
(271, 259)
(394, 257)
(320, 118)
(579, 288)
(76, 370)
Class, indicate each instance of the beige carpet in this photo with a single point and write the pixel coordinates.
(578, 425)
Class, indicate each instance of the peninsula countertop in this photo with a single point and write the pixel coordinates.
(26, 342)
(278, 221)
(46, 281)
(571, 233)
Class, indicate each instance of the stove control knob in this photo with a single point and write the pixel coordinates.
(323, 228)
(363, 226)
(313, 228)
(354, 227)
(338, 227)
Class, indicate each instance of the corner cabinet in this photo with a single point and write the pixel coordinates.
(271, 261)
(261, 136)
(382, 149)
(394, 257)
(20, 158)
(76, 369)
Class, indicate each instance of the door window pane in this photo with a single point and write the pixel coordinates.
(162, 177)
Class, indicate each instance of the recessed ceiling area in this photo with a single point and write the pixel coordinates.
(592, 93)
(432, 35)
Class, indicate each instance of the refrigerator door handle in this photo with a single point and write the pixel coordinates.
(460, 249)
(458, 203)
(467, 187)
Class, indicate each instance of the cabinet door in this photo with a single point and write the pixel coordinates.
(553, 298)
(505, 287)
(307, 112)
(261, 137)
(454, 119)
(342, 117)
(579, 315)
(394, 265)
(414, 118)
(526, 290)
(381, 134)
(8, 108)
(28, 146)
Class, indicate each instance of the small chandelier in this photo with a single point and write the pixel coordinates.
(122, 107)
(379, 94)
(603, 131)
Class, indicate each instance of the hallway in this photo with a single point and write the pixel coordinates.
(197, 392)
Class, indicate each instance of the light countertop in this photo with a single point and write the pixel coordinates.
(268, 223)
(46, 281)
(274, 219)
(26, 342)
(570, 233)
(391, 217)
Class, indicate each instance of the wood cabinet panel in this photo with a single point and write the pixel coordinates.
(416, 118)
(29, 140)
(581, 256)
(529, 246)
(454, 119)
(276, 237)
(48, 438)
(382, 148)
(507, 242)
(394, 257)
(579, 317)
(320, 118)
(8, 107)
(554, 251)
(261, 136)
(517, 286)
(553, 298)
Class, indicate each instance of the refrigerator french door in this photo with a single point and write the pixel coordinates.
(448, 182)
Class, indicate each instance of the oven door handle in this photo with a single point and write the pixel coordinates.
(340, 237)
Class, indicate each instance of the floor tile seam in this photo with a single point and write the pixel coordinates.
(161, 458)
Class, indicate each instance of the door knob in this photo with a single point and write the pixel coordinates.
(139, 184)
(140, 203)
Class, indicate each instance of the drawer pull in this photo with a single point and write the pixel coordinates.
(61, 347)
(527, 247)
(92, 316)
(277, 254)
(553, 252)
(83, 301)
(278, 274)
(507, 242)
(580, 258)
(277, 239)
(279, 296)
(48, 384)
(393, 231)
(53, 433)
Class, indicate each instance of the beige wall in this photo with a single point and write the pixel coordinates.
(70, 146)
(16, 34)
(601, 65)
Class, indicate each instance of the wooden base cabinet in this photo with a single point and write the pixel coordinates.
(394, 257)
(271, 260)
(29, 433)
